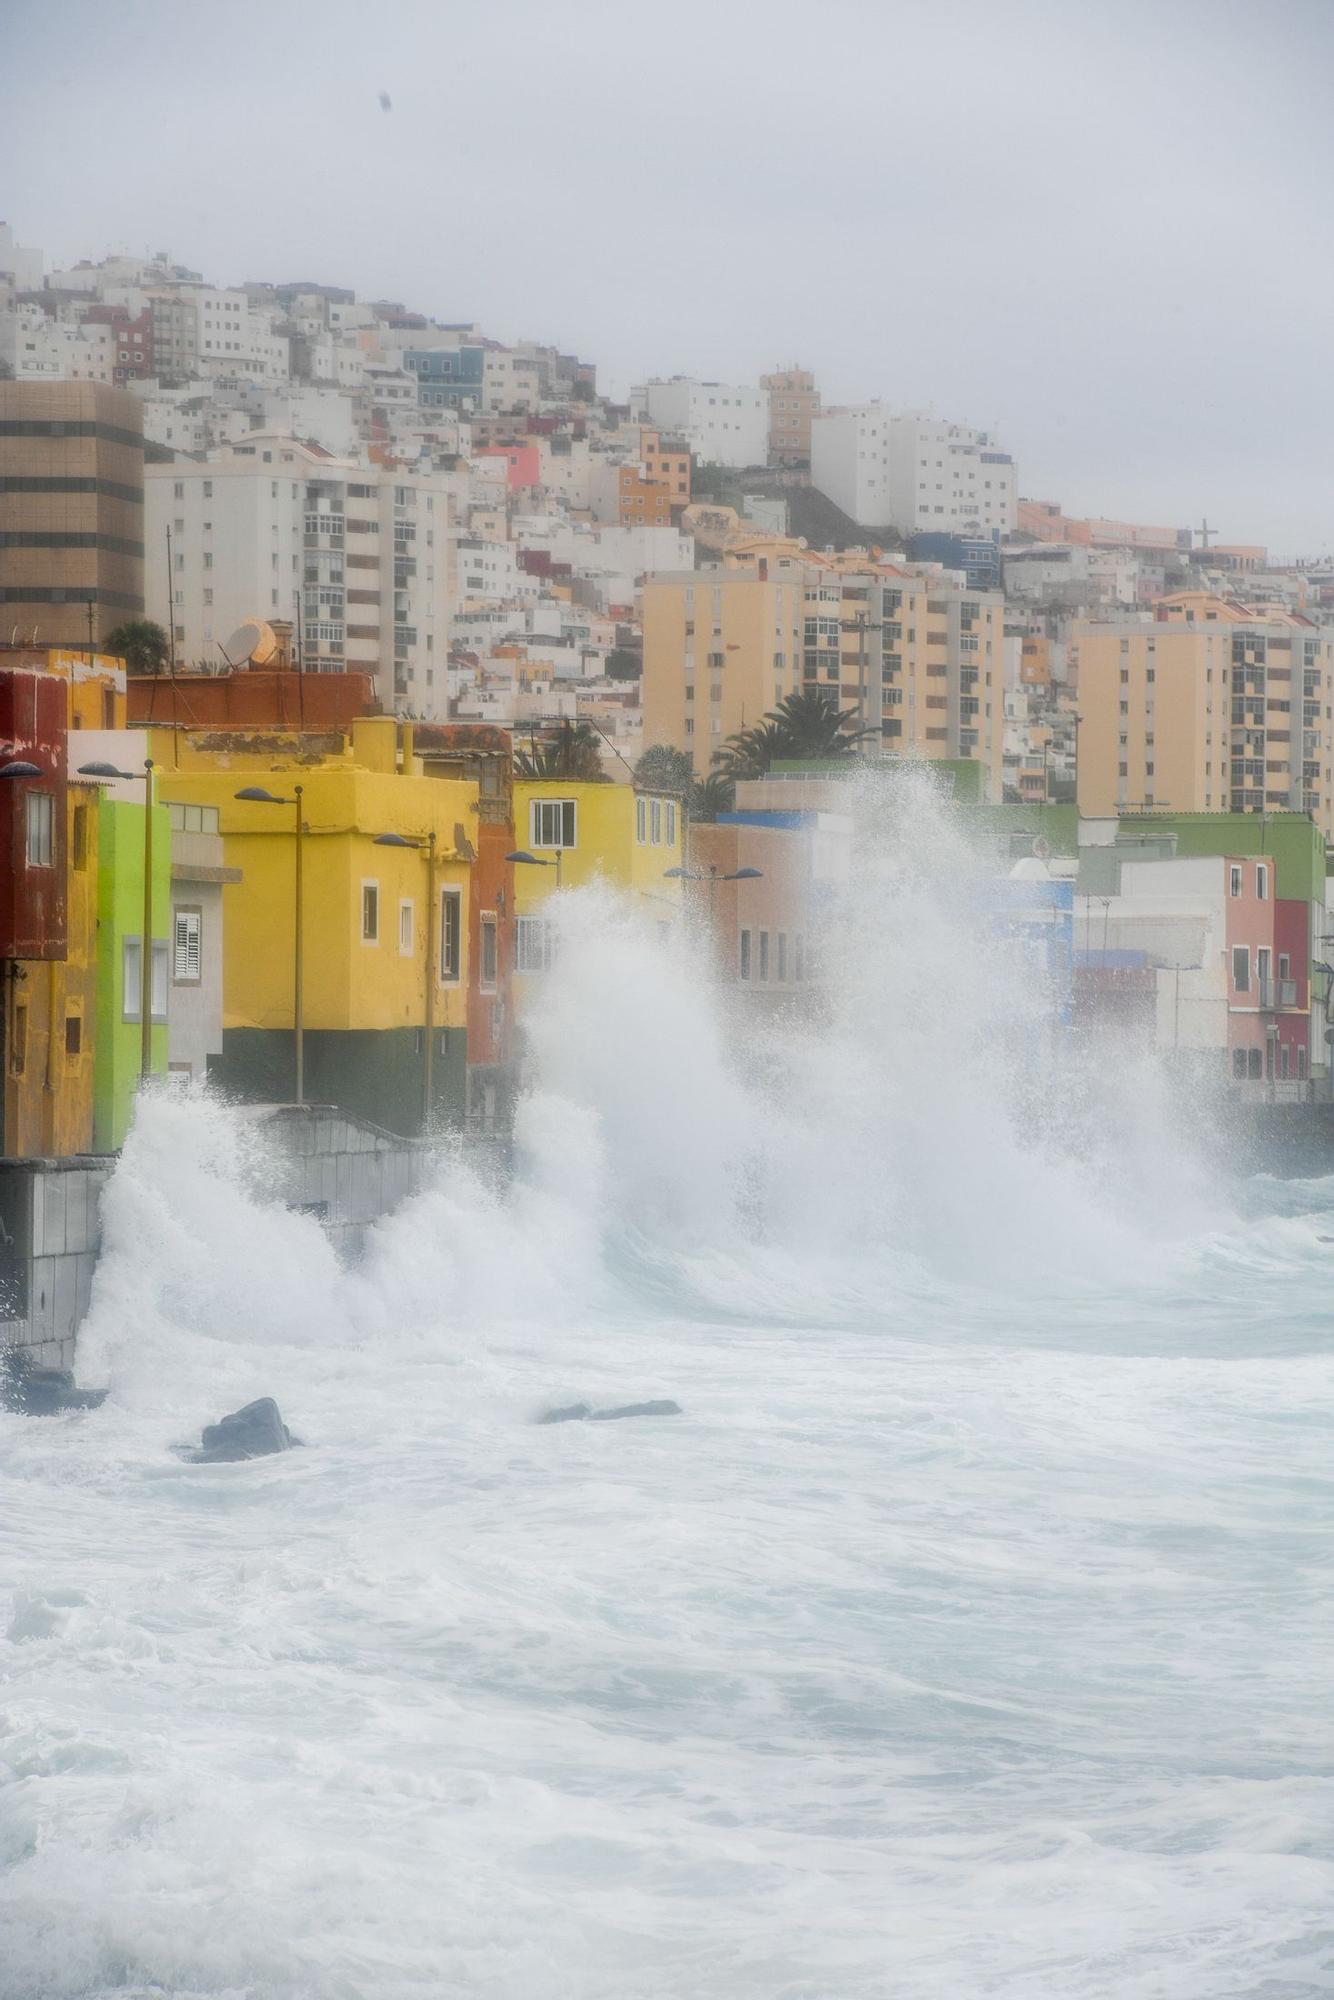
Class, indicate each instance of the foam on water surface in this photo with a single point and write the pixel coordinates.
(968, 1634)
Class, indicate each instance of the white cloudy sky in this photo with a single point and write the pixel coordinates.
(1103, 228)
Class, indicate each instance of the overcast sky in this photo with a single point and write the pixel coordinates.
(1103, 229)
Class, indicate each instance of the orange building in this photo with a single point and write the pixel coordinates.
(655, 491)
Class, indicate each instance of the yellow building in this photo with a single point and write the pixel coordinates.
(1217, 715)
(582, 833)
(96, 687)
(365, 919)
(48, 1074)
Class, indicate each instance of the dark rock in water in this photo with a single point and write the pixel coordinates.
(252, 1432)
(42, 1392)
(575, 1413)
(660, 1409)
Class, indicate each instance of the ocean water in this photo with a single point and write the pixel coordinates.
(968, 1634)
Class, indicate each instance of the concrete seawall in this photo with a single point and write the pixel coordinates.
(344, 1171)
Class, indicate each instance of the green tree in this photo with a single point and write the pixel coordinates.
(573, 751)
(142, 644)
(624, 663)
(664, 769)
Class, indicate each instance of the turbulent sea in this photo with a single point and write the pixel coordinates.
(968, 1634)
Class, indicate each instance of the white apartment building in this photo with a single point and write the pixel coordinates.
(918, 474)
(22, 268)
(40, 349)
(723, 423)
(270, 525)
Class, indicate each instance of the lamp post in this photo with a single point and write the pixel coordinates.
(415, 841)
(713, 877)
(521, 854)
(146, 943)
(256, 795)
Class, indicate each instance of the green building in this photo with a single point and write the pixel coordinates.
(120, 922)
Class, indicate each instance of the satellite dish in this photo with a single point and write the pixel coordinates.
(251, 644)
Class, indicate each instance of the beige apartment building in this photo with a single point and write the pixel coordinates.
(71, 510)
(1220, 716)
(793, 401)
(917, 656)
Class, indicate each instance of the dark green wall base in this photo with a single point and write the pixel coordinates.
(370, 1073)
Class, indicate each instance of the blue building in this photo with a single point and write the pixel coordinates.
(448, 378)
(978, 556)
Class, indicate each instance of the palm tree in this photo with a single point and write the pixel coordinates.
(716, 795)
(815, 725)
(573, 752)
(142, 644)
(750, 752)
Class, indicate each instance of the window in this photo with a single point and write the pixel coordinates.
(1253, 1062)
(79, 857)
(406, 928)
(780, 972)
(641, 815)
(655, 821)
(73, 1034)
(552, 823)
(1241, 968)
(451, 934)
(18, 1054)
(669, 809)
(1284, 965)
(1234, 881)
(370, 913)
(799, 957)
(1239, 1062)
(534, 945)
(764, 954)
(745, 954)
(490, 942)
(1301, 1059)
(186, 942)
(1262, 883)
(132, 976)
(41, 823)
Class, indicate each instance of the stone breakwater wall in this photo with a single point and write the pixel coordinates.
(343, 1171)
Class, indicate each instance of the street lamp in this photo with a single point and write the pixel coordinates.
(256, 795)
(415, 841)
(146, 943)
(521, 854)
(18, 768)
(713, 878)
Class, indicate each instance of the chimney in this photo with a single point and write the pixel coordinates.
(281, 629)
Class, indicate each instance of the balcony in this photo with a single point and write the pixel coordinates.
(1274, 994)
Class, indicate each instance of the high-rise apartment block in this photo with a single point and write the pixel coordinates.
(722, 423)
(916, 655)
(361, 556)
(1231, 715)
(914, 473)
(793, 401)
(71, 511)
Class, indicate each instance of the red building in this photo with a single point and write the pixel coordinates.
(484, 754)
(33, 730)
(134, 341)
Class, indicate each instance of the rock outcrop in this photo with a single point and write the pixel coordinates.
(42, 1392)
(252, 1432)
(574, 1413)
